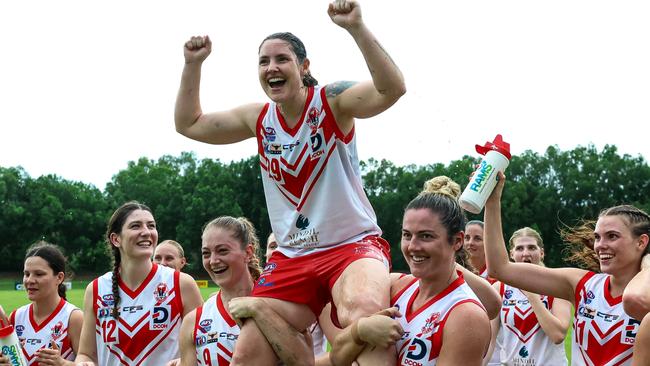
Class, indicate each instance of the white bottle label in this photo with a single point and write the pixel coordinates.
(483, 181)
(10, 346)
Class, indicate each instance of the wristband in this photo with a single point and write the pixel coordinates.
(355, 334)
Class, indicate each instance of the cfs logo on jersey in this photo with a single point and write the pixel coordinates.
(160, 316)
(160, 294)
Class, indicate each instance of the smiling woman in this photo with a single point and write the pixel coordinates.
(307, 146)
(136, 292)
(620, 240)
(52, 323)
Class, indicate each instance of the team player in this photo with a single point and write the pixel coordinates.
(170, 253)
(307, 147)
(473, 243)
(603, 333)
(49, 326)
(474, 247)
(134, 313)
(441, 320)
(209, 333)
(532, 327)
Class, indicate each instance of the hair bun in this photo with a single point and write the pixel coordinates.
(442, 185)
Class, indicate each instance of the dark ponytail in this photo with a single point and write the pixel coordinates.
(114, 226)
(117, 260)
(309, 80)
(54, 257)
(298, 49)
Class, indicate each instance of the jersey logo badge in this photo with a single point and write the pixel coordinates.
(57, 330)
(160, 293)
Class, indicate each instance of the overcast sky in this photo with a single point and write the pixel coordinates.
(86, 86)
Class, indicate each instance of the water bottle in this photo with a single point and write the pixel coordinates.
(479, 188)
(10, 346)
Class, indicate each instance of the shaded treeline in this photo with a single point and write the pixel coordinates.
(545, 192)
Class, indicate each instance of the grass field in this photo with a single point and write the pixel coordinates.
(11, 299)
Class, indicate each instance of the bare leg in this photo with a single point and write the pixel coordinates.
(362, 290)
(252, 348)
(642, 344)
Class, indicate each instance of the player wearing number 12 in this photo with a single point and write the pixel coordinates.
(133, 314)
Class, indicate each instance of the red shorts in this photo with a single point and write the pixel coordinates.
(309, 279)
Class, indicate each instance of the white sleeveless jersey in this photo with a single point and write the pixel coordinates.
(524, 341)
(423, 327)
(149, 323)
(312, 182)
(215, 333)
(34, 336)
(603, 334)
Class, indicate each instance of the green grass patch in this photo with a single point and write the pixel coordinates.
(10, 299)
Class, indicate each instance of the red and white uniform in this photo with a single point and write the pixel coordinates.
(149, 324)
(423, 327)
(215, 333)
(312, 182)
(524, 341)
(34, 336)
(484, 273)
(603, 334)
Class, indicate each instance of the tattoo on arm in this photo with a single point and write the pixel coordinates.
(338, 87)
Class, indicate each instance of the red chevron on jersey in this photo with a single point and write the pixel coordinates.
(603, 348)
(526, 324)
(34, 336)
(146, 332)
(312, 179)
(424, 326)
(523, 341)
(295, 171)
(215, 333)
(604, 334)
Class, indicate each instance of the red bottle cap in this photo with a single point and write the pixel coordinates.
(497, 145)
(6, 331)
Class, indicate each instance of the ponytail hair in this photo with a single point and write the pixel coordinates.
(440, 196)
(244, 231)
(298, 49)
(54, 257)
(580, 239)
(114, 226)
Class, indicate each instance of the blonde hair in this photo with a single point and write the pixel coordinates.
(526, 232)
(175, 244)
(442, 185)
(244, 231)
(440, 196)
